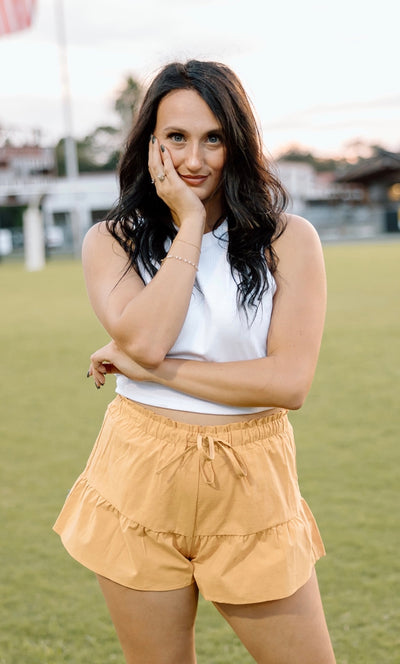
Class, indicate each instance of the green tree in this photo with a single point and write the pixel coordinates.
(127, 102)
(320, 164)
(100, 149)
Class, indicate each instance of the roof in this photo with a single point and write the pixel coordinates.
(383, 163)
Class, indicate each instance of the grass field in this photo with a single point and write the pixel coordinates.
(348, 455)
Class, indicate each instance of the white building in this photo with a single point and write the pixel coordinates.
(26, 161)
(336, 209)
(68, 206)
(299, 180)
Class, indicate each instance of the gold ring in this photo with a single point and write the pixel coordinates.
(161, 177)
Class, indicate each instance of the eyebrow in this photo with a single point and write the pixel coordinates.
(216, 130)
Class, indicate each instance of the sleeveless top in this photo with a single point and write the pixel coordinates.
(214, 330)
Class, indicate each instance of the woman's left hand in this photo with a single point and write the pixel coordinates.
(111, 359)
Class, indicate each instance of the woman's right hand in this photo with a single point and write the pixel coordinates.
(181, 200)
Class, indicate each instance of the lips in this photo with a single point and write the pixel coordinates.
(194, 180)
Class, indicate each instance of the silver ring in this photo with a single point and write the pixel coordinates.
(161, 177)
(152, 181)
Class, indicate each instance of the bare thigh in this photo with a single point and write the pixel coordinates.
(287, 631)
(153, 627)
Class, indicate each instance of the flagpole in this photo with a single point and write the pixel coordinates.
(71, 157)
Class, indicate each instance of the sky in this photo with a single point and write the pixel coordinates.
(321, 75)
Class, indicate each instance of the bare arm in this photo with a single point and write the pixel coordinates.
(146, 320)
(282, 379)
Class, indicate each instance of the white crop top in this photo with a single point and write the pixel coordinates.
(215, 330)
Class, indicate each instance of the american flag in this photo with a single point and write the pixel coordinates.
(15, 15)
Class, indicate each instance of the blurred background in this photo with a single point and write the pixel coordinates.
(323, 78)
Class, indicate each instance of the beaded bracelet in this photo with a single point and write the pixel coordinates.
(180, 258)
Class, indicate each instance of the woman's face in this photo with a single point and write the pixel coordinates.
(191, 132)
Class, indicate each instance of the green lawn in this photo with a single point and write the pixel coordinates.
(348, 454)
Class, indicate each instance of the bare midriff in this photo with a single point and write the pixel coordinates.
(207, 419)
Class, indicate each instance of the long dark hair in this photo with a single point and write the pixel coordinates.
(254, 198)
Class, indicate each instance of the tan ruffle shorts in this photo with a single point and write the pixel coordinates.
(162, 504)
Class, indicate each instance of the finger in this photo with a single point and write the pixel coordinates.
(97, 371)
(99, 358)
(99, 379)
(166, 159)
(155, 163)
(168, 166)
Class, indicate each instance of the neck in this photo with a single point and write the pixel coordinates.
(214, 213)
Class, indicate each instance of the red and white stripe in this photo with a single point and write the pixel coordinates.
(15, 15)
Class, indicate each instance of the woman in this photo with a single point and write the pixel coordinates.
(214, 300)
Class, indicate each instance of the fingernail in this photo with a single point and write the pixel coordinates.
(88, 374)
(97, 386)
(162, 148)
(153, 139)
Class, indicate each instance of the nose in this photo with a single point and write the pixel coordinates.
(194, 157)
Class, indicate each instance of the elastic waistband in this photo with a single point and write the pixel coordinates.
(163, 428)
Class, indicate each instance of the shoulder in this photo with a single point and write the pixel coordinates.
(298, 247)
(298, 234)
(297, 229)
(100, 243)
(97, 234)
